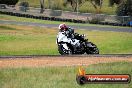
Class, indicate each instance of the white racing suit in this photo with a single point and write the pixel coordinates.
(63, 37)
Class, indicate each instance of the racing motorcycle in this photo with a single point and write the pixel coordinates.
(75, 44)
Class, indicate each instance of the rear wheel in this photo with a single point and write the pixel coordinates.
(63, 51)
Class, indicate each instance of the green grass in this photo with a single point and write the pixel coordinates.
(27, 40)
(60, 77)
(22, 19)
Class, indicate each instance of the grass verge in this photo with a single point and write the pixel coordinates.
(60, 77)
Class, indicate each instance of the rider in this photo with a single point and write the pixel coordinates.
(69, 33)
(64, 30)
(67, 30)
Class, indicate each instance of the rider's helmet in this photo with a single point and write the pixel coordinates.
(63, 27)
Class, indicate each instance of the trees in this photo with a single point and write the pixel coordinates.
(42, 6)
(74, 3)
(125, 8)
(9, 2)
(117, 2)
(97, 4)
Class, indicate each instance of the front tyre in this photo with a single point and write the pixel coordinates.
(63, 50)
(92, 48)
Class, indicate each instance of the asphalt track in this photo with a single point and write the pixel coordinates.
(90, 56)
(90, 28)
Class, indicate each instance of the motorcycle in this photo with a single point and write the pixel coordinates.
(75, 45)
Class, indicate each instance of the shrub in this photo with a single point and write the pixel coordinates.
(24, 6)
(9, 2)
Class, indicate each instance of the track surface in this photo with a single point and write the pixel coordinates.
(58, 61)
(100, 28)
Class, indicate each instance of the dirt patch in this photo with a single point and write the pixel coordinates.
(58, 61)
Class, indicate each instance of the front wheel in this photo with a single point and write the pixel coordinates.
(64, 49)
(91, 48)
